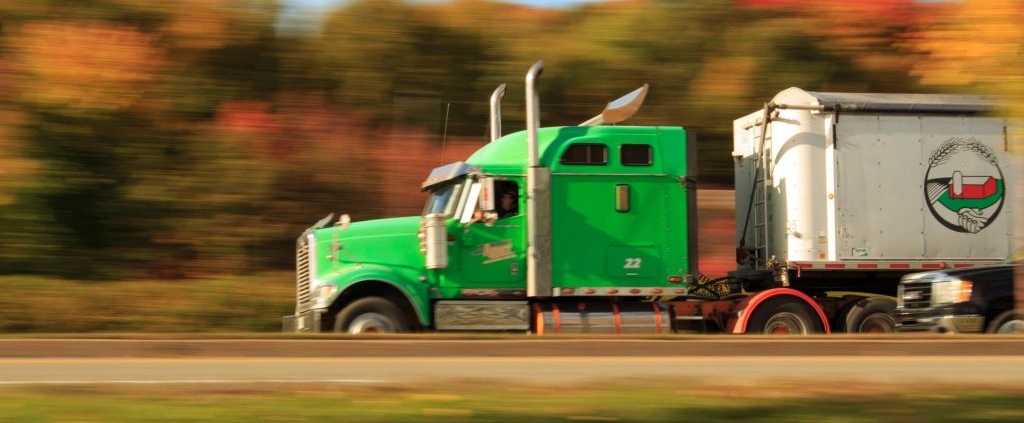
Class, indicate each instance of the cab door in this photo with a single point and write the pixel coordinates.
(492, 252)
(494, 255)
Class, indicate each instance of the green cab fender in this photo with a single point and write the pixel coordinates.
(369, 278)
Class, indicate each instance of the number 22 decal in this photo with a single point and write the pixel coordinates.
(632, 263)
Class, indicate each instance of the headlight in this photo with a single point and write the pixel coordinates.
(324, 292)
(952, 291)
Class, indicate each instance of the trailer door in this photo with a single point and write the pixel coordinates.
(920, 187)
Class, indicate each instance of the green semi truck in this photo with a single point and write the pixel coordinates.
(592, 228)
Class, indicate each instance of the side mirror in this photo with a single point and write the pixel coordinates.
(470, 208)
(487, 193)
(343, 221)
(481, 204)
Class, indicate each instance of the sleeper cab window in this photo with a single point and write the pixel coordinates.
(585, 154)
(636, 154)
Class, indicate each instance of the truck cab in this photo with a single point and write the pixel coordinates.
(838, 196)
(601, 224)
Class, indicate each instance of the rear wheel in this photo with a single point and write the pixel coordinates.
(370, 315)
(784, 316)
(1008, 322)
(870, 315)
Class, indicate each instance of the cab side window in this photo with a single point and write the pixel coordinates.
(636, 155)
(507, 197)
(585, 154)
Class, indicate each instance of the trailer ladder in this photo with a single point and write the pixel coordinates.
(760, 202)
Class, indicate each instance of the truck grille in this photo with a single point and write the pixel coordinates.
(302, 294)
(915, 295)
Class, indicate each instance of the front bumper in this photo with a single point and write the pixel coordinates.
(938, 320)
(308, 321)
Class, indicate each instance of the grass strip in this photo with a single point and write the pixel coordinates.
(628, 401)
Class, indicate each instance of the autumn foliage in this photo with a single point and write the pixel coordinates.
(180, 139)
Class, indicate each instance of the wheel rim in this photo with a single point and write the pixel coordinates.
(785, 323)
(1011, 326)
(877, 323)
(371, 323)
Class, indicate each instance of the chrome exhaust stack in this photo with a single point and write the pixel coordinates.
(538, 198)
(496, 112)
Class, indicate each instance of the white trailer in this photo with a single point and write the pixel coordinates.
(846, 193)
(873, 178)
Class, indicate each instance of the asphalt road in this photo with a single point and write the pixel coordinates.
(411, 359)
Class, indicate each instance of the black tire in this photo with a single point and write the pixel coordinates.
(784, 316)
(870, 315)
(370, 315)
(1007, 322)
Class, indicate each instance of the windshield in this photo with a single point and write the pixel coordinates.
(444, 199)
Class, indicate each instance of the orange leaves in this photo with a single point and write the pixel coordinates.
(979, 44)
(248, 116)
(94, 66)
(728, 77)
(973, 41)
(202, 25)
(199, 25)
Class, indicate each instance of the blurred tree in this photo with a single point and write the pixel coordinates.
(178, 138)
(82, 129)
(975, 46)
(120, 132)
(402, 67)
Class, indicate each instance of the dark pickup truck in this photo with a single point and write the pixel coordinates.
(968, 300)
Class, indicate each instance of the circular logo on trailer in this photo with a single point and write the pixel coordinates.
(963, 186)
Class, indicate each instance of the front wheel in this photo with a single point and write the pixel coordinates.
(370, 315)
(784, 316)
(1008, 322)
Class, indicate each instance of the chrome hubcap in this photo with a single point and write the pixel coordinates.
(877, 324)
(785, 324)
(1012, 326)
(371, 323)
